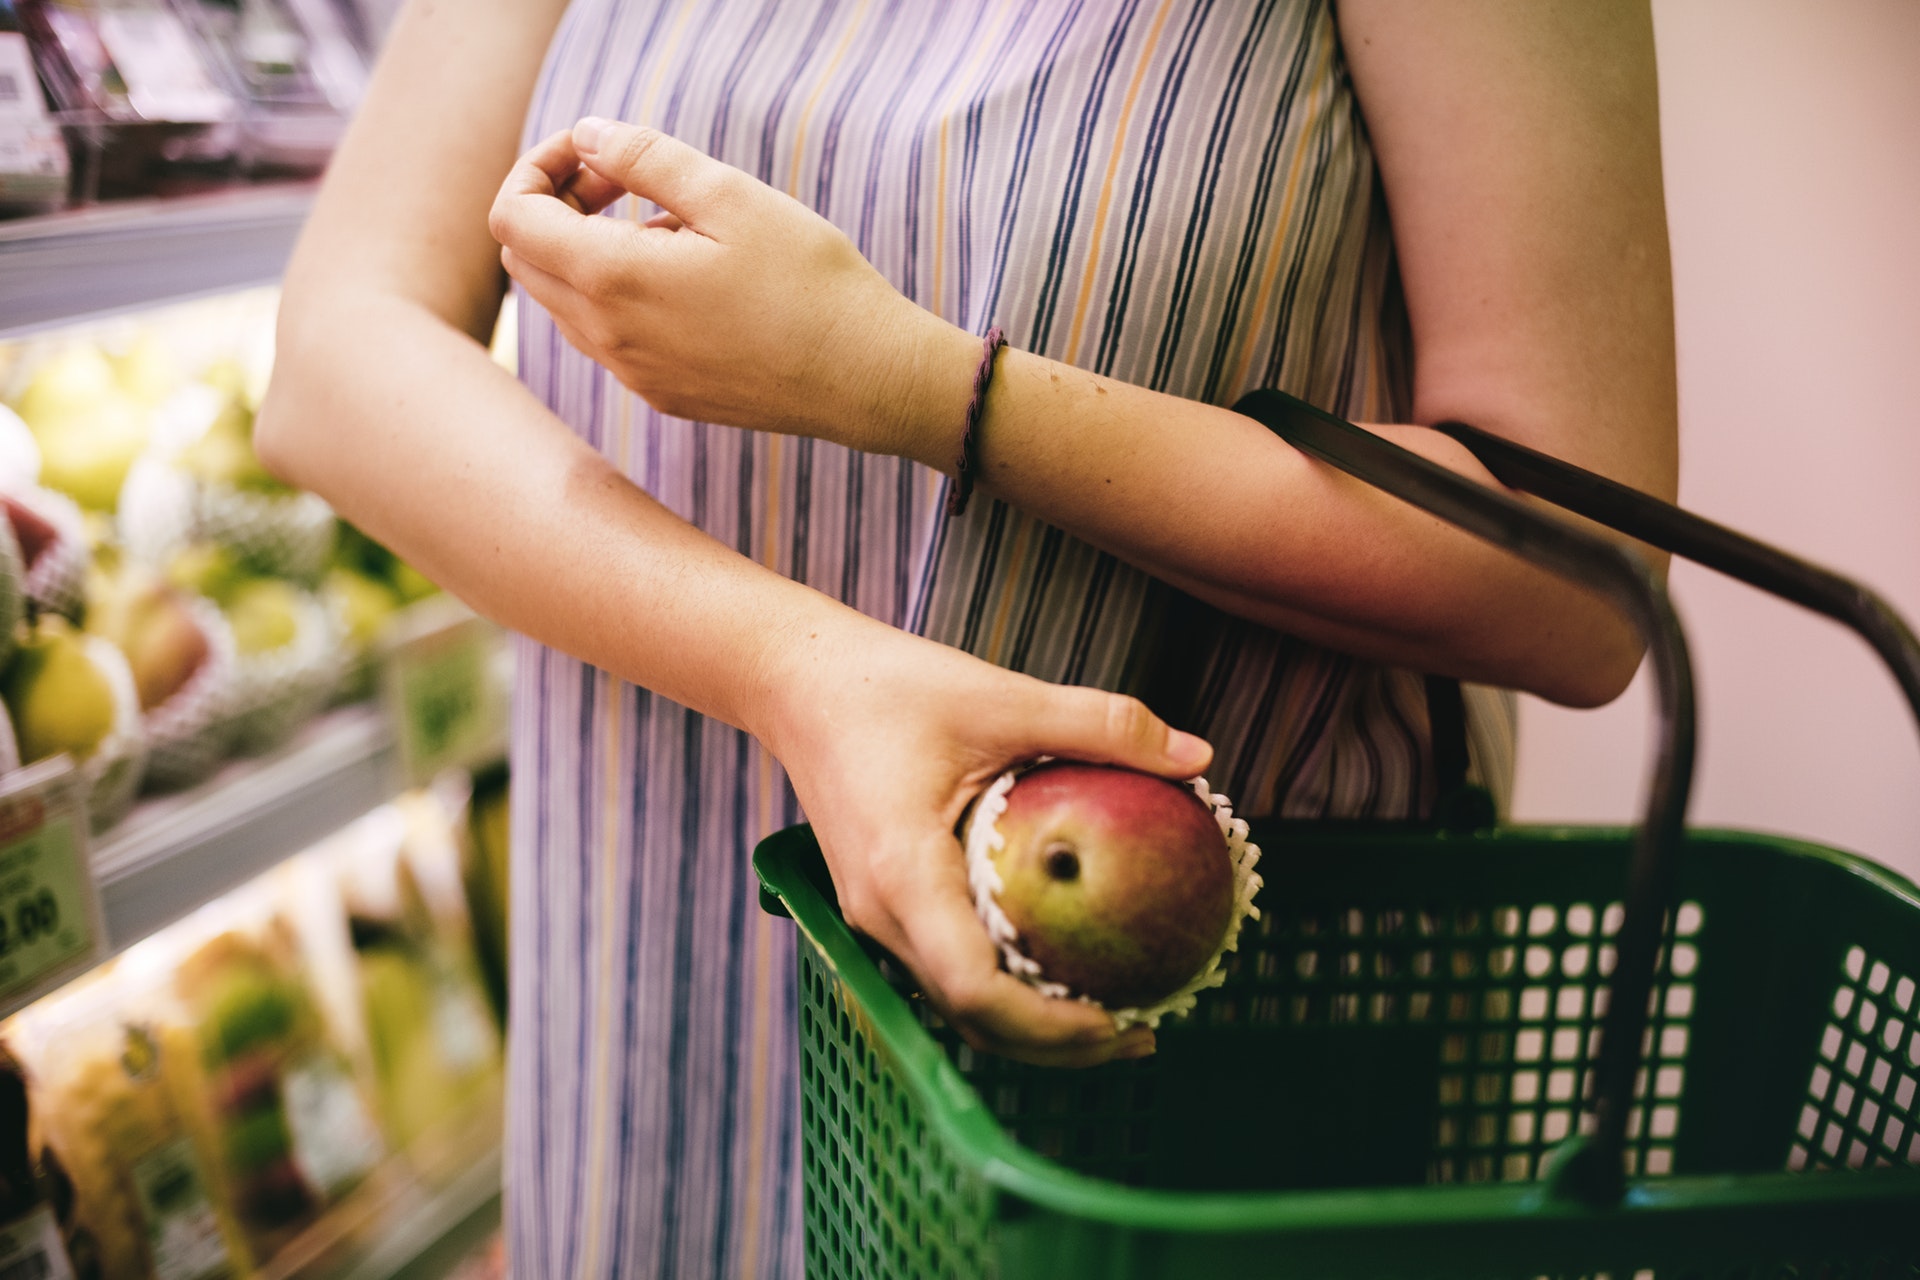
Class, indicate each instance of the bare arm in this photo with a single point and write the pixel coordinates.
(1518, 144)
(384, 401)
(1519, 147)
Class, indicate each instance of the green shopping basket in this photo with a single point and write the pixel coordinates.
(1521, 1052)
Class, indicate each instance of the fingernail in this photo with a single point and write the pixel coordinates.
(1188, 751)
(586, 134)
(1140, 1047)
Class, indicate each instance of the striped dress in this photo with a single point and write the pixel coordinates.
(1176, 193)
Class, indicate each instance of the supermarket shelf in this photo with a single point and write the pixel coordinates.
(393, 1227)
(426, 1242)
(174, 853)
(115, 257)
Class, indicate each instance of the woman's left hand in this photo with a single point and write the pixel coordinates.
(737, 304)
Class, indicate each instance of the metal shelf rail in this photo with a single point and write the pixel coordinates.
(101, 259)
(173, 853)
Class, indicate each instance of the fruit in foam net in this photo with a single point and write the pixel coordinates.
(363, 604)
(224, 454)
(1119, 885)
(57, 695)
(34, 531)
(207, 569)
(265, 615)
(151, 623)
(87, 456)
(88, 427)
(19, 452)
(76, 379)
(148, 370)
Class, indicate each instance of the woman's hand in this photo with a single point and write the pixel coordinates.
(887, 738)
(736, 305)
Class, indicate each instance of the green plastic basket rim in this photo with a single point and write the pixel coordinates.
(973, 1134)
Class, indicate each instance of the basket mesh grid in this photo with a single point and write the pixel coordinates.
(1861, 1107)
(876, 1182)
(1509, 995)
(1517, 993)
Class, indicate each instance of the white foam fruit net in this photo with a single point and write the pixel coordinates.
(983, 838)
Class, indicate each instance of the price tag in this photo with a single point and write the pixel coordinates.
(447, 691)
(33, 158)
(50, 925)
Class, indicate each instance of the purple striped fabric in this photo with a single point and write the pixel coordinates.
(1177, 193)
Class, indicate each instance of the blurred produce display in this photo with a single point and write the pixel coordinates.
(34, 166)
(161, 95)
(31, 1239)
(301, 1072)
(165, 602)
(483, 865)
(221, 1098)
(432, 1036)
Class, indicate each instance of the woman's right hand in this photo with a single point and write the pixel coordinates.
(887, 738)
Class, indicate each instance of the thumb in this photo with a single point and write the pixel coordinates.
(1111, 728)
(683, 180)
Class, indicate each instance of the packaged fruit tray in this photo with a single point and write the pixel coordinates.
(1522, 1052)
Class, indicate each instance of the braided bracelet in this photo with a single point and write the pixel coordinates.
(969, 460)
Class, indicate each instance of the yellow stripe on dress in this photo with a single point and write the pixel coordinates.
(821, 81)
(1105, 203)
(936, 300)
(1284, 229)
(1016, 562)
(597, 684)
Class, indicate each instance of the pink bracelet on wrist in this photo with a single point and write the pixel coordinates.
(969, 460)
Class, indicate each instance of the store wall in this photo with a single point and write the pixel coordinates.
(1792, 136)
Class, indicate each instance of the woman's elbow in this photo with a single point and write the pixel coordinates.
(272, 435)
(284, 425)
(1595, 672)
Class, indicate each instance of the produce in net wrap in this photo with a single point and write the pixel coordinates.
(54, 552)
(19, 452)
(215, 490)
(181, 652)
(362, 606)
(72, 693)
(1110, 885)
(118, 766)
(13, 590)
(289, 660)
(88, 428)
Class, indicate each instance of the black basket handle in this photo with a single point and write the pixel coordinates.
(1592, 1169)
(1717, 547)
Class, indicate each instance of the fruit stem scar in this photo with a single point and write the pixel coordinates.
(1062, 862)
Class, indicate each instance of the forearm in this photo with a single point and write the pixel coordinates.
(1214, 503)
(450, 461)
(1518, 148)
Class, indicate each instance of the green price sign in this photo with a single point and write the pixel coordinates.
(448, 696)
(49, 914)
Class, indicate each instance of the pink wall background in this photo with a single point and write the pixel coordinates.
(1792, 150)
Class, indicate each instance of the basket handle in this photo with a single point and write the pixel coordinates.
(1590, 1168)
(1663, 525)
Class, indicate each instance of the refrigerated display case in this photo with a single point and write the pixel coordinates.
(178, 850)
